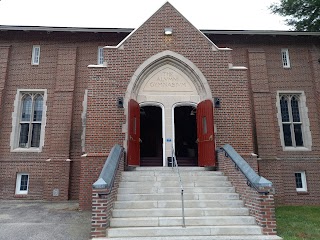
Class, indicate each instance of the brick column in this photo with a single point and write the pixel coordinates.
(91, 166)
(103, 128)
(61, 123)
(314, 60)
(102, 204)
(260, 206)
(262, 103)
(99, 213)
(4, 61)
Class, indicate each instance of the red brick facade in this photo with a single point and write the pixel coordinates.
(247, 118)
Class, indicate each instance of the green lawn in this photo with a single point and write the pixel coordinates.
(298, 222)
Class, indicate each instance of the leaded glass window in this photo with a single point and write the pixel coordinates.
(30, 120)
(291, 120)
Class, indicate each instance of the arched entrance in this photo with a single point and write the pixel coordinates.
(179, 87)
(151, 144)
(185, 135)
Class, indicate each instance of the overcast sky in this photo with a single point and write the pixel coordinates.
(203, 14)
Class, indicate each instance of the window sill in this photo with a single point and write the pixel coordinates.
(20, 195)
(296, 149)
(97, 66)
(37, 150)
(302, 193)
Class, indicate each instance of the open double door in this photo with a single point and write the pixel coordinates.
(205, 134)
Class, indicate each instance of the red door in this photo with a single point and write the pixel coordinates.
(133, 133)
(206, 145)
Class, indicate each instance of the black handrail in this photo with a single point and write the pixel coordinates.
(255, 181)
(109, 170)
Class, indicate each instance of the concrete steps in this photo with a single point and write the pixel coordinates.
(177, 204)
(147, 190)
(148, 206)
(176, 221)
(171, 212)
(177, 196)
(178, 231)
(253, 237)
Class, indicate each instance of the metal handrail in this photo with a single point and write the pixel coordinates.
(174, 163)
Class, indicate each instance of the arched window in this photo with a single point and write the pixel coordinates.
(291, 120)
(30, 120)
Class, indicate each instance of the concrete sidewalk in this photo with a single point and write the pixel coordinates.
(38, 220)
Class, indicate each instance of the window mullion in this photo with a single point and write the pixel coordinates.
(300, 114)
(291, 123)
(30, 133)
(31, 122)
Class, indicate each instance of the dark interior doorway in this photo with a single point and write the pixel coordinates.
(185, 125)
(151, 136)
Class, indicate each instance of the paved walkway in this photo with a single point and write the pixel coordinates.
(37, 220)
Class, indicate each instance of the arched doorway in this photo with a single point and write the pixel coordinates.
(151, 151)
(172, 81)
(185, 135)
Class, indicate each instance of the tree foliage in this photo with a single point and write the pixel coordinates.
(303, 15)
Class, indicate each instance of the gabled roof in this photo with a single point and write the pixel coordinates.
(165, 8)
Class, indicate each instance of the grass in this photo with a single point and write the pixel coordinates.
(298, 222)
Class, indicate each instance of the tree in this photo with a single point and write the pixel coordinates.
(304, 15)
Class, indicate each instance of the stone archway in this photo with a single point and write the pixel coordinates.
(174, 59)
(167, 78)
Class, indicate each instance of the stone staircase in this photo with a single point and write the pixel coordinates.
(148, 206)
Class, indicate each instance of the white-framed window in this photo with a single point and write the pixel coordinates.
(28, 120)
(301, 181)
(293, 121)
(100, 55)
(285, 58)
(22, 183)
(35, 59)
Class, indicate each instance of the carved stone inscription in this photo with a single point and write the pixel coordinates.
(167, 80)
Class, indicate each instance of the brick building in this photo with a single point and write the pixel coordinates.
(67, 95)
